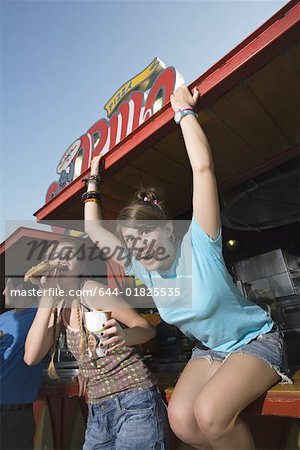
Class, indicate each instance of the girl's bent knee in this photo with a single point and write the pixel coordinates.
(176, 419)
(184, 426)
(180, 424)
(210, 422)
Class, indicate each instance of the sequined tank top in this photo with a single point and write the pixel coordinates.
(119, 371)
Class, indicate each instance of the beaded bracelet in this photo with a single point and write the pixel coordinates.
(91, 195)
(95, 193)
(95, 178)
(94, 200)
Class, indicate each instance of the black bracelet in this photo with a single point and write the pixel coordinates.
(91, 194)
(95, 178)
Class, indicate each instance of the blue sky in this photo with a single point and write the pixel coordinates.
(62, 60)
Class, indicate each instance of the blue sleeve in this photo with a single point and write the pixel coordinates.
(201, 241)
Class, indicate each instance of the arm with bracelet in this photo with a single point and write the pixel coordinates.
(206, 208)
(93, 225)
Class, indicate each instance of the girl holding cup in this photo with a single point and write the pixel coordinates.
(126, 410)
(94, 323)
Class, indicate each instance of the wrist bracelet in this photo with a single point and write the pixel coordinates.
(95, 178)
(94, 200)
(91, 195)
(97, 193)
(184, 108)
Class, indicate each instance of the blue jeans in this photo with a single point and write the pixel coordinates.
(131, 420)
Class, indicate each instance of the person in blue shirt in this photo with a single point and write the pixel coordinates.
(239, 352)
(19, 383)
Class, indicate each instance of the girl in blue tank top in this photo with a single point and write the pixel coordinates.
(239, 352)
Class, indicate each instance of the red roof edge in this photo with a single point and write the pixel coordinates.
(24, 232)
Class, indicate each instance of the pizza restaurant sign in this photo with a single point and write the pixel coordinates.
(133, 104)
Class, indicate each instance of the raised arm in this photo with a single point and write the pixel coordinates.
(93, 221)
(206, 208)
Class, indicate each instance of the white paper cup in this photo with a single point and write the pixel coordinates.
(94, 320)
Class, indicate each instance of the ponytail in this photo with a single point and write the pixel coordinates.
(147, 205)
(83, 338)
(51, 367)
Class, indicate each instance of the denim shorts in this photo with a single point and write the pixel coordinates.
(130, 420)
(269, 347)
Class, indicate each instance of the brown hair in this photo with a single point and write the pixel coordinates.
(69, 241)
(51, 370)
(51, 367)
(147, 204)
(83, 337)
